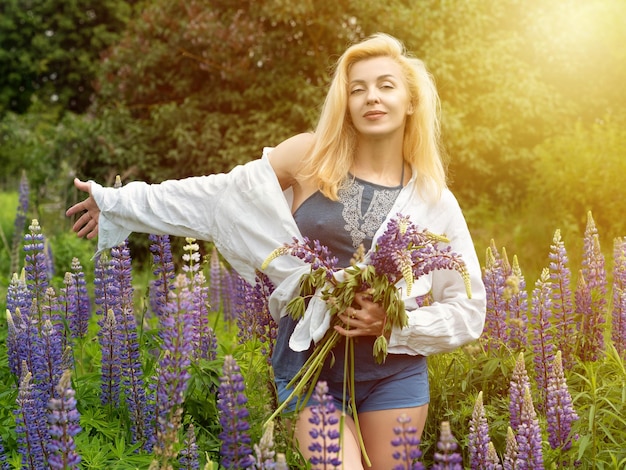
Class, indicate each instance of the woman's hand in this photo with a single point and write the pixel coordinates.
(368, 320)
(87, 224)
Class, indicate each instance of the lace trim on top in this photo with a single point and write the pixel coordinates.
(363, 222)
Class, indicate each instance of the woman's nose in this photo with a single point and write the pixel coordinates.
(372, 95)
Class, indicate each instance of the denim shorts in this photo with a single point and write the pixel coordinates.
(407, 388)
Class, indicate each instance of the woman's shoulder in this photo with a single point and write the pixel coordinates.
(287, 157)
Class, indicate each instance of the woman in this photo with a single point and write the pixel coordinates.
(374, 154)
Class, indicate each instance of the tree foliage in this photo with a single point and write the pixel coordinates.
(51, 49)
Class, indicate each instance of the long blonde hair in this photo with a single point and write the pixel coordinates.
(332, 153)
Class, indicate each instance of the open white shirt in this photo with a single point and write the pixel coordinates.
(246, 215)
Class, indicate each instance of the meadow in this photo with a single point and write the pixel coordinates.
(107, 363)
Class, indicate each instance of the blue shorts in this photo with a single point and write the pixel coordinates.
(407, 388)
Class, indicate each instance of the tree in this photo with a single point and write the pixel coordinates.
(51, 49)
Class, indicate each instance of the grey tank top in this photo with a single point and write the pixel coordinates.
(342, 226)
(352, 220)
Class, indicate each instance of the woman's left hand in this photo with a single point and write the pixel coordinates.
(366, 320)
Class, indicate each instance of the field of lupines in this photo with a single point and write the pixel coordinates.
(173, 372)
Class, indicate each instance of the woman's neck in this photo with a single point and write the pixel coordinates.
(379, 162)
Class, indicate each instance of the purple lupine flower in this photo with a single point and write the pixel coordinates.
(516, 298)
(20, 221)
(255, 321)
(22, 341)
(529, 452)
(110, 364)
(129, 353)
(47, 361)
(519, 383)
(236, 289)
(31, 436)
(407, 442)
(478, 439)
(163, 270)
(216, 271)
(205, 340)
(543, 345)
(64, 425)
(83, 305)
(176, 331)
(325, 436)
(560, 413)
(493, 461)
(235, 450)
(18, 294)
(264, 450)
(618, 333)
(36, 266)
(509, 460)
(188, 457)
(426, 254)
(447, 457)
(68, 306)
(12, 343)
(594, 273)
(311, 252)
(105, 293)
(590, 337)
(562, 307)
(494, 277)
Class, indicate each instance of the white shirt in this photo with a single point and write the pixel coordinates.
(246, 215)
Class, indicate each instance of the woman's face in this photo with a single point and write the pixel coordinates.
(378, 99)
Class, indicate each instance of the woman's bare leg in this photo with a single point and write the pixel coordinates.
(350, 453)
(377, 428)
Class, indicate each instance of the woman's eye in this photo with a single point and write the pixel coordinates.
(356, 90)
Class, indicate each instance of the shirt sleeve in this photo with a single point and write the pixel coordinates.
(454, 318)
(244, 212)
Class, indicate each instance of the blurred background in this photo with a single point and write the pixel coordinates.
(533, 100)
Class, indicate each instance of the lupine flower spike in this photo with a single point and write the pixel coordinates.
(519, 383)
(264, 450)
(162, 285)
(517, 305)
(479, 440)
(594, 274)
(494, 278)
(64, 426)
(32, 437)
(447, 457)
(618, 333)
(129, 353)
(325, 447)
(560, 411)
(543, 342)
(529, 439)
(176, 333)
(255, 320)
(20, 220)
(509, 461)
(235, 450)
(407, 445)
(561, 297)
(36, 266)
(188, 457)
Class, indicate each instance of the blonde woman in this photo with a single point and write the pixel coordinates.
(374, 154)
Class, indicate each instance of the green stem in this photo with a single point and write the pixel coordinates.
(355, 415)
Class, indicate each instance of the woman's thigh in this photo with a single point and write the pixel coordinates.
(377, 428)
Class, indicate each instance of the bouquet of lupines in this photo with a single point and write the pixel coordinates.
(402, 252)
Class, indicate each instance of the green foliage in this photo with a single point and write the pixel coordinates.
(50, 50)
(580, 171)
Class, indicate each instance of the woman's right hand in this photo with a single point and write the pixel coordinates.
(87, 224)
